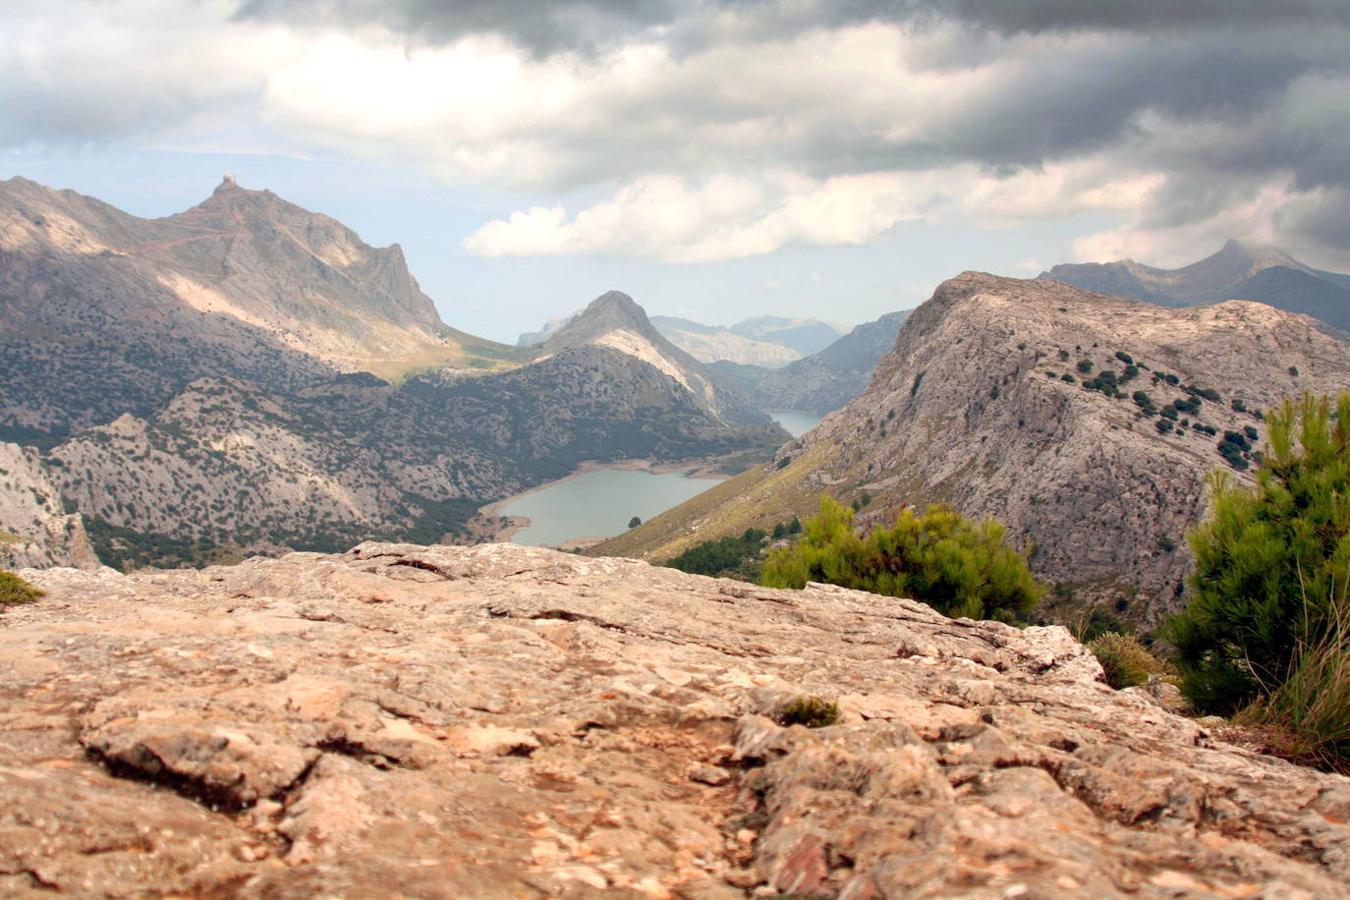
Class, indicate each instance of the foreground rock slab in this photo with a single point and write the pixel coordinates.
(499, 721)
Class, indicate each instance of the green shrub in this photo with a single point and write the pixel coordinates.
(1085, 366)
(960, 567)
(1272, 564)
(735, 557)
(813, 712)
(1125, 661)
(14, 590)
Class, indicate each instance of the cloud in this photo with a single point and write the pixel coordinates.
(664, 218)
(78, 73)
(1169, 117)
(592, 26)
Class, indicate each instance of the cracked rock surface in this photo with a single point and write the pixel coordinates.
(500, 721)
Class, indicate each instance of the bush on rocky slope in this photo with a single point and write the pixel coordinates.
(958, 566)
(14, 589)
(1266, 628)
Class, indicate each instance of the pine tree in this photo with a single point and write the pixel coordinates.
(1272, 562)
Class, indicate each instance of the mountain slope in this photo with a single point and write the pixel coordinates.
(972, 408)
(1236, 272)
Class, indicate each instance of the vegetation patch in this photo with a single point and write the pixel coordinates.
(958, 566)
(1125, 661)
(1267, 631)
(14, 590)
(811, 711)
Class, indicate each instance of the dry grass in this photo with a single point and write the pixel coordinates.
(1307, 718)
(1125, 661)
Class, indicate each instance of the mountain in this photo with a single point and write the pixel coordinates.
(983, 403)
(768, 341)
(1236, 272)
(709, 344)
(825, 381)
(502, 721)
(194, 425)
(614, 321)
(105, 312)
(35, 529)
(806, 336)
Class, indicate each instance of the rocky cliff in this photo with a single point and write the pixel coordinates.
(35, 529)
(1017, 399)
(499, 721)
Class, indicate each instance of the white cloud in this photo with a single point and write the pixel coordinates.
(665, 218)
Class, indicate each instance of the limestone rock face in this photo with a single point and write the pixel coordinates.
(499, 721)
(34, 528)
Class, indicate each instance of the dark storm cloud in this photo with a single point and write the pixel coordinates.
(590, 25)
(568, 25)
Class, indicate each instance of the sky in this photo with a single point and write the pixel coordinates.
(834, 159)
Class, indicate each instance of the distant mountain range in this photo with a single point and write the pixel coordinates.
(1084, 422)
(251, 375)
(824, 381)
(1236, 272)
(766, 341)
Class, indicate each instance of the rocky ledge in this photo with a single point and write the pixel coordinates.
(498, 721)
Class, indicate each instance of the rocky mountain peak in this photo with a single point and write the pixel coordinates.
(610, 312)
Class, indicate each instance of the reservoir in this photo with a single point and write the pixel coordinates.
(796, 423)
(598, 503)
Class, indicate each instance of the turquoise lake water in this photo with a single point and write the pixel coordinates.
(598, 504)
(796, 423)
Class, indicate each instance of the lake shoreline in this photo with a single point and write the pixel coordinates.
(492, 512)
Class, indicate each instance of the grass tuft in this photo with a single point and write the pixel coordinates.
(14, 590)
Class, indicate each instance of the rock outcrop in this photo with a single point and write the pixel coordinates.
(35, 529)
(499, 721)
